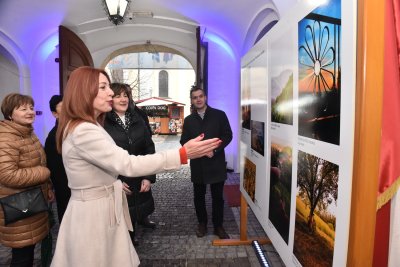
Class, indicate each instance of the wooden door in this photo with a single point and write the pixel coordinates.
(73, 53)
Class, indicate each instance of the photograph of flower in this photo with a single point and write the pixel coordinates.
(319, 88)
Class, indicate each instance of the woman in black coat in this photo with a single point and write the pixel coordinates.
(127, 127)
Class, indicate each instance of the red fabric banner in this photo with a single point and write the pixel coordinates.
(390, 142)
(389, 170)
(382, 229)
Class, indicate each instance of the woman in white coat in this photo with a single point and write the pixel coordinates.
(94, 230)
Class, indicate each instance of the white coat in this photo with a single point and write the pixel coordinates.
(94, 229)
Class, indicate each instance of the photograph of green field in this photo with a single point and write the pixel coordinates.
(280, 188)
(249, 178)
(281, 73)
(282, 98)
(317, 187)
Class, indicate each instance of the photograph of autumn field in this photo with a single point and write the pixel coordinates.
(280, 188)
(317, 187)
(319, 88)
(249, 178)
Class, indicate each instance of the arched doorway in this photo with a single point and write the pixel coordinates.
(153, 71)
(160, 79)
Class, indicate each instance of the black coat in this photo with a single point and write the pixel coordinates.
(214, 124)
(57, 173)
(137, 141)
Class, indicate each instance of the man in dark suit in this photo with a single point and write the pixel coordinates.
(212, 168)
(55, 163)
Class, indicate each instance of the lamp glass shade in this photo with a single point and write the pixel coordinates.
(116, 7)
(122, 7)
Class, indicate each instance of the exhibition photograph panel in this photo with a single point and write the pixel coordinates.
(298, 91)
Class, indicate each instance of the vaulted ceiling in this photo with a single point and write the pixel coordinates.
(30, 23)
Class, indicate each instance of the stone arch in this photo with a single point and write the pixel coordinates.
(260, 25)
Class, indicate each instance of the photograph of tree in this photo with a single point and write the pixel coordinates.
(317, 185)
(319, 47)
(249, 178)
(280, 188)
(257, 136)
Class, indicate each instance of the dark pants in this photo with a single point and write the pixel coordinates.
(22, 257)
(63, 194)
(217, 191)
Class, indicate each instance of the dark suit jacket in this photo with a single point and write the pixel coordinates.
(57, 173)
(215, 124)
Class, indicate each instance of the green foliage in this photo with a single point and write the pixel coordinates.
(284, 98)
(274, 157)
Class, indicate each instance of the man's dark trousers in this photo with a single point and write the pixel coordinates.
(217, 191)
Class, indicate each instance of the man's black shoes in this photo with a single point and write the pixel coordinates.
(201, 230)
(220, 232)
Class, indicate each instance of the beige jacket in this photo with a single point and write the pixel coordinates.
(22, 166)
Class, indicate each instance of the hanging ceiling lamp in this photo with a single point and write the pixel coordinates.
(116, 10)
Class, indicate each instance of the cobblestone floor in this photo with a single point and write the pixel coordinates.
(173, 242)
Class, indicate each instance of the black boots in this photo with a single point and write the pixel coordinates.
(146, 223)
(135, 242)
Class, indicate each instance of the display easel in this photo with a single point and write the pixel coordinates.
(243, 231)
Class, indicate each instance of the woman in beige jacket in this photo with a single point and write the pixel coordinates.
(94, 229)
(22, 166)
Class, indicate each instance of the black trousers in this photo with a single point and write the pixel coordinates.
(63, 194)
(22, 257)
(217, 191)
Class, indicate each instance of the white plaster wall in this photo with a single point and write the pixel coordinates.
(45, 83)
(224, 93)
(9, 78)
